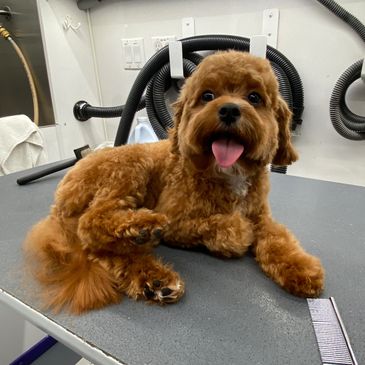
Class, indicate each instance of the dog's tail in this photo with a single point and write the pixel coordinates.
(69, 277)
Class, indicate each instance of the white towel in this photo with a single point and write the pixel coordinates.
(21, 144)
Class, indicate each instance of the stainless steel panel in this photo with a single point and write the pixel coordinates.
(15, 96)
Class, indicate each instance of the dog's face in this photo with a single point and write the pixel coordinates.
(230, 114)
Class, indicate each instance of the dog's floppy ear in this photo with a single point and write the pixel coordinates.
(285, 154)
(178, 108)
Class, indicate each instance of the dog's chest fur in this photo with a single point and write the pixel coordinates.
(186, 195)
(238, 185)
(234, 182)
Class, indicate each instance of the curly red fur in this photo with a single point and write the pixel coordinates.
(115, 205)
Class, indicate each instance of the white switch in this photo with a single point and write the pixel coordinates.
(133, 49)
(137, 53)
(128, 53)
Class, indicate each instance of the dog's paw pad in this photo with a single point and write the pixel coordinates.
(157, 233)
(142, 237)
(156, 292)
(166, 292)
(147, 235)
(148, 292)
(156, 283)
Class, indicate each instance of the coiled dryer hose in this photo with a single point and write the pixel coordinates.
(6, 35)
(346, 123)
(202, 43)
(154, 80)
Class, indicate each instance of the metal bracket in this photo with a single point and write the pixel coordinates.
(258, 45)
(270, 25)
(188, 27)
(176, 60)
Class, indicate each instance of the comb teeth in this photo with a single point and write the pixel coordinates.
(333, 342)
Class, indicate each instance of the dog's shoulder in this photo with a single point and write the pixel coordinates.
(115, 157)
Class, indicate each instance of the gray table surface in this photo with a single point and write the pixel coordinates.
(231, 313)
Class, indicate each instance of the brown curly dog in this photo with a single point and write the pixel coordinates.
(206, 185)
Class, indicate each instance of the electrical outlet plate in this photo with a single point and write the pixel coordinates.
(133, 51)
(159, 42)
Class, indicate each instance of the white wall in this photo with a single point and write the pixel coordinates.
(319, 45)
(72, 76)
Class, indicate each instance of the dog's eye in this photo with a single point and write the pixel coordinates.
(254, 98)
(207, 96)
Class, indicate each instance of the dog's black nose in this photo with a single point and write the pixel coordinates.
(229, 113)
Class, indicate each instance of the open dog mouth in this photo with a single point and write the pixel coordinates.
(227, 148)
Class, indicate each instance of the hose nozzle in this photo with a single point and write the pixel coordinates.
(4, 33)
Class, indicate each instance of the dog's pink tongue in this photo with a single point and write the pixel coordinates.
(226, 151)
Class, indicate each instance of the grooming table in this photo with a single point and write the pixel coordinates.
(231, 313)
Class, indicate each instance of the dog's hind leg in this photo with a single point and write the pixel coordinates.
(283, 259)
(79, 280)
(68, 278)
(143, 276)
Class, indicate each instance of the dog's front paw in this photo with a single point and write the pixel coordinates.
(303, 278)
(143, 227)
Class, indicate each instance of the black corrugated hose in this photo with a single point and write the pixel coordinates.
(204, 43)
(157, 111)
(84, 111)
(346, 123)
(156, 80)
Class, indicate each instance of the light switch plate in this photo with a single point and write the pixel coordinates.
(133, 53)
